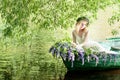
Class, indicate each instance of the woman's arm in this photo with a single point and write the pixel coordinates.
(85, 39)
(73, 39)
(86, 36)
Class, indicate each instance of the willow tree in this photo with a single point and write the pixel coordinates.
(22, 18)
(49, 13)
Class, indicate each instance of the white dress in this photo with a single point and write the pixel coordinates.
(89, 43)
(92, 44)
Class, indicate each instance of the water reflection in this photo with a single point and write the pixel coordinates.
(93, 75)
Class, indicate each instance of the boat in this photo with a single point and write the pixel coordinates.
(79, 60)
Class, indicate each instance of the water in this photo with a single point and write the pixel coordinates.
(93, 75)
(85, 75)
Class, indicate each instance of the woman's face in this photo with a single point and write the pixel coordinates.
(82, 25)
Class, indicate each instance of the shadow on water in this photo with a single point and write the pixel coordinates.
(93, 75)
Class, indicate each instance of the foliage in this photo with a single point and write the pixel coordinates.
(67, 52)
(114, 32)
(47, 14)
(116, 16)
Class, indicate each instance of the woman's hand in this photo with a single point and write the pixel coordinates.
(78, 46)
(74, 44)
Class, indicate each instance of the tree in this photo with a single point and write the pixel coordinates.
(48, 14)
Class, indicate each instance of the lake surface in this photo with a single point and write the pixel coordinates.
(93, 75)
(86, 75)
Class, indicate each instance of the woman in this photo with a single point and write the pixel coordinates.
(80, 36)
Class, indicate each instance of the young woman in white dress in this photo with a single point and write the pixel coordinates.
(80, 36)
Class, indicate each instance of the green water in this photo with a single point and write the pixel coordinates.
(80, 75)
(93, 75)
(87, 75)
(47, 70)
